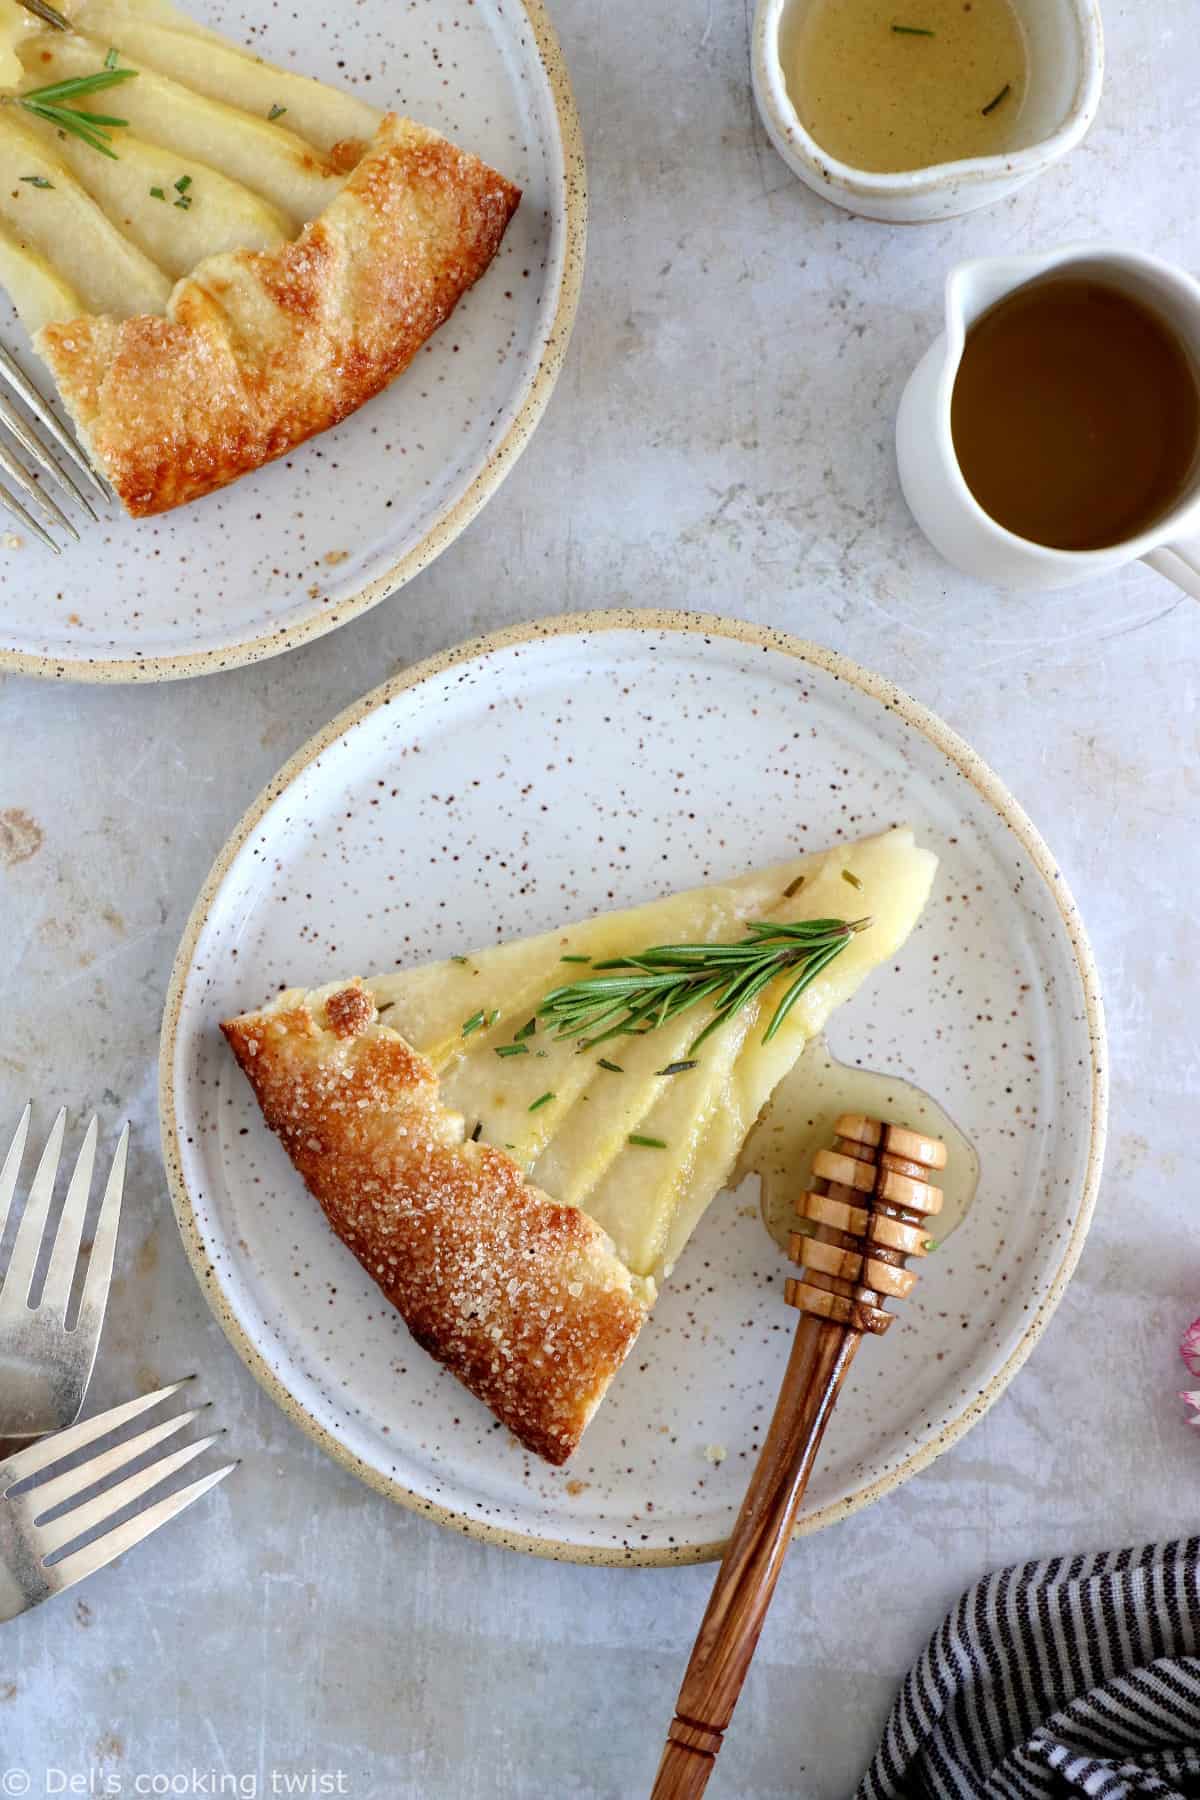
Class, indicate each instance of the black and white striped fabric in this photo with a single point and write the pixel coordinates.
(1077, 1676)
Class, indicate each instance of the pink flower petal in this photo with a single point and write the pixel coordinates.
(1189, 1349)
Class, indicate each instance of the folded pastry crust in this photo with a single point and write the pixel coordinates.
(261, 349)
(523, 1298)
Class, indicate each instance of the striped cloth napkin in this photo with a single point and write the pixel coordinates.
(1076, 1676)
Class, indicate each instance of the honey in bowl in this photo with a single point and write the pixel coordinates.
(1075, 414)
(888, 85)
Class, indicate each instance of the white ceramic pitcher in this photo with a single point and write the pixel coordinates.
(941, 502)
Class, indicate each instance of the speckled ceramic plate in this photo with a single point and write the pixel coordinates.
(537, 776)
(303, 545)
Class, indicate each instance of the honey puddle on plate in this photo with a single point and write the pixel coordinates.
(886, 85)
(800, 1119)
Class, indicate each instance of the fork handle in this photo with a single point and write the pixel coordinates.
(754, 1556)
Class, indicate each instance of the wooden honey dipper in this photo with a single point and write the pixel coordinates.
(865, 1215)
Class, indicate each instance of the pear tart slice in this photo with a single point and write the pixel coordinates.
(518, 1198)
(251, 257)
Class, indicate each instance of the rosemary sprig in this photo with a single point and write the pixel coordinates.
(670, 979)
(912, 31)
(93, 128)
(991, 106)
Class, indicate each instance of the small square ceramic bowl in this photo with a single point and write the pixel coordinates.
(1066, 72)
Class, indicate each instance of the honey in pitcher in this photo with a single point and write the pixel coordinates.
(1075, 414)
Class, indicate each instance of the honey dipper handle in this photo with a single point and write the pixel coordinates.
(821, 1355)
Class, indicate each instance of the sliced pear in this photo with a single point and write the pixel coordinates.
(15, 24)
(577, 1142)
(34, 285)
(175, 228)
(63, 223)
(322, 115)
(263, 157)
(160, 12)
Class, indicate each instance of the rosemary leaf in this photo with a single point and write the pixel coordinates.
(527, 1030)
(578, 959)
(629, 996)
(277, 112)
(612, 1067)
(851, 877)
(473, 1023)
(458, 959)
(478, 1131)
(156, 193)
(991, 106)
(542, 1100)
(38, 181)
(912, 31)
(679, 1068)
(92, 128)
(646, 1143)
(512, 1049)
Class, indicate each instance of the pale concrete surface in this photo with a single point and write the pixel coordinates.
(721, 439)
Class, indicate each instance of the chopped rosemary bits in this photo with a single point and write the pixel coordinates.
(183, 184)
(36, 181)
(851, 877)
(679, 1068)
(157, 194)
(991, 106)
(931, 1243)
(527, 1030)
(613, 1068)
(512, 1049)
(184, 202)
(492, 1017)
(111, 60)
(473, 1023)
(912, 30)
(793, 887)
(646, 1143)
(277, 112)
(542, 1100)
(579, 959)
(478, 1131)
(458, 959)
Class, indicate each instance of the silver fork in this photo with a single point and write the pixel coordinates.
(13, 376)
(35, 1528)
(44, 1367)
(56, 468)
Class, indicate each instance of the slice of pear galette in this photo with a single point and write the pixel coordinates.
(217, 258)
(517, 1144)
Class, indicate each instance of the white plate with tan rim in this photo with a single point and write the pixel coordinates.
(301, 546)
(531, 778)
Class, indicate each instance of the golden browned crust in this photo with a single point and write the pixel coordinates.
(524, 1299)
(261, 349)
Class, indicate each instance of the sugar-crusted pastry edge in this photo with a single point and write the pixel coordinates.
(523, 1298)
(260, 350)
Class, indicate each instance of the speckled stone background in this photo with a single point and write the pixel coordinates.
(721, 438)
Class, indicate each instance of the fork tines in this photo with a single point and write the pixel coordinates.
(47, 1364)
(56, 468)
(46, 1517)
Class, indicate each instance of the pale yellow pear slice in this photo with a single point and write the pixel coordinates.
(175, 227)
(264, 157)
(15, 23)
(648, 1196)
(35, 287)
(323, 116)
(46, 208)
